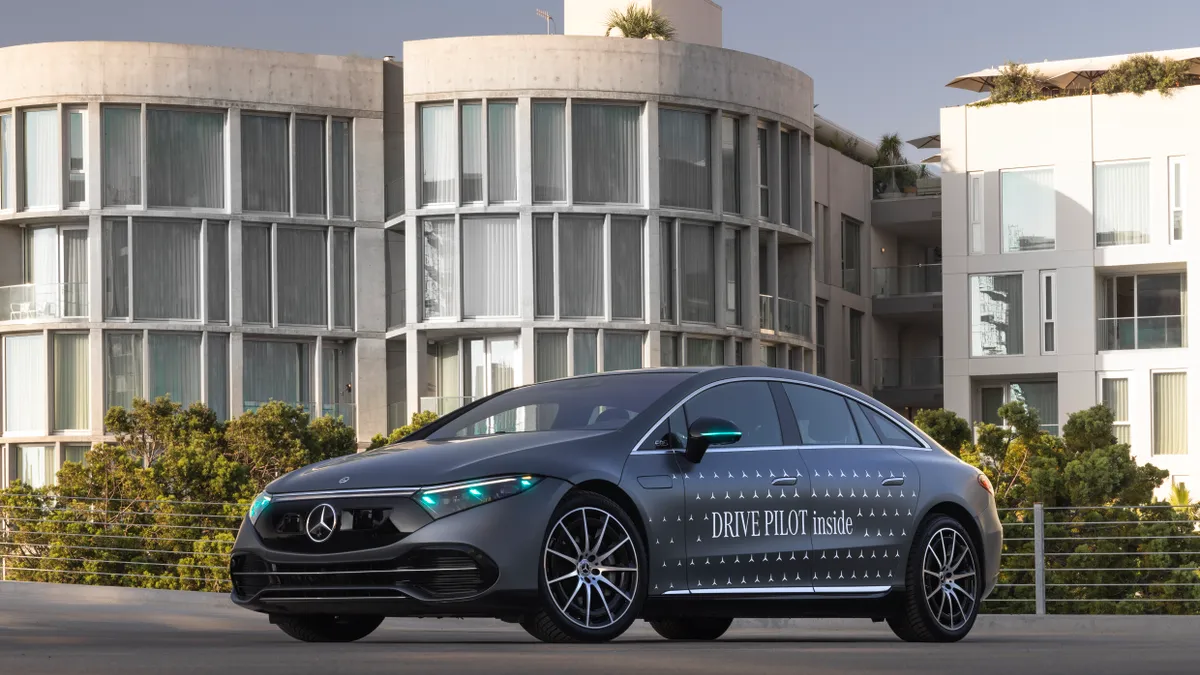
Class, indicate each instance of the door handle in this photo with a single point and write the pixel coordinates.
(784, 481)
(892, 482)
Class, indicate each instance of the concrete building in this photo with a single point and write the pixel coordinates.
(369, 238)
(1067, 246)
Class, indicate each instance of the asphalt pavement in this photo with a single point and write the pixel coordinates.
(45, 628)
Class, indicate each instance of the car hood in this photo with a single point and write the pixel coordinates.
(559, 454)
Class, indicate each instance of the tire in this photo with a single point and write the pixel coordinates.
(692, 628)
(939, 607)
(609, 572)
(327, 628)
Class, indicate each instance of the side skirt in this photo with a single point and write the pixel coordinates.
(774, 607)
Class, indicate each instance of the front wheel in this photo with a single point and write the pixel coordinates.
(943, 585)
(327, 628)
(691, 628)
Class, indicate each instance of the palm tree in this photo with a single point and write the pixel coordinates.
(1179, 496)
(640, 22)
(889, 155)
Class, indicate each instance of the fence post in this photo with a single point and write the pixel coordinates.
(1039, 557)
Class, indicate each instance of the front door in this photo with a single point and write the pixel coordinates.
(746, 514)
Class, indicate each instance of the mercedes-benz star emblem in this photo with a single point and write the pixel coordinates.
(321, 523)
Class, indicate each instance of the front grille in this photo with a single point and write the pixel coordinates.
(364, 523)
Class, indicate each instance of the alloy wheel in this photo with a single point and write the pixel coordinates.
(950, 579)
(591, 567)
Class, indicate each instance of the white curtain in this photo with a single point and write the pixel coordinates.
(276, 371)
(543, 253)
(705, 352)
(626, 254)
(684, 168)
(551, 357)
(581, 256)
(1115, 394)
(584, 359)
(122, 168)
(70, 381)
(666, 290)
(175, 360)
(24, 383)
(1122, 209)
(342, 253)
(42, 269)
(185, 158)
(310, 166)
(35, 465)
(1042, 397)
(300, 260)
(490, 264)
(218, 271)
(606, 147)
(437, 154)
(75, 273)
(440, 280)
(1027, 209)
(549, 151)
(731, 143)
(166, 269)
(622, 351)
(41, 158)
(256, 273)
(122, 369)
(996, 315)
(471, 147)
(116, 268)
(342, 168)
(265, 163)
(699, 290)
(502, 152)
(218, 374)
(395, 261)
(1170, 414)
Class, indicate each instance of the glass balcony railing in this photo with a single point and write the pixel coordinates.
(343, 410)
(253, 406)
(904, 181)
(397, 415)
(766, 312)
(795, 317)
(43, 302)
(1146, 332)
(442, 405)
(908, 280)
(916, 373)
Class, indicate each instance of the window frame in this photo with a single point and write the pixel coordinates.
(976, 215)
(1149, 186)
(640, 197)
(226, 161)
(1128, 377)
(1048, 295)
(1004, 246)
(65, 143)
(1177, 198)
(1106, 298)
(607, 277)
(708, 115)
(971, 311)
(8, 182)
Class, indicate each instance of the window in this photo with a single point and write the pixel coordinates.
(549, 151)
(739, 352)
(437, 154)
(502, 151)
(25, 384)
(76, 452)
(265, 157)
(581, 253)
(122, 162)
(310, 166)
(1122, 208)
(300, 268)
(698, 282)
(668, 350)
(185, 158)
(764, 176)
(856, 346)
(5, 154)
(975, 212)
(337, 380)
(551, 357)
(889, 432)
(821, 363)
(768, 355)
(76, 142)
(1027, 209)
(257, 293)
(35, 465)
(820, 254)
(1143, 312)
(823, 416)
(175, 360)
(606, 153)
(218, 375)
(1170, 413)
(622, 351)
(851, 255)
(490, 264)
(341, 253)
(683, 160)
(471, 150)
(1178, 179)
(440, 283)
(341, 145)
(277, 371)
(990, 401)
(667, 270)
(122, 369)
(544, 265)
(704, 351)
(166, 269)
(1039, 396)
(217, 268)
(1049, 311)
(748, 405)
(625, 251)
(41, 159)
(71, 381)
(1114, 393)
(56, 269)
(583, 344)
(395, 262)
(786, 139)
(733, 277)
(996, 315)
(731, 144)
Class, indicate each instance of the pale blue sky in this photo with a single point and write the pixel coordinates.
(879, 65)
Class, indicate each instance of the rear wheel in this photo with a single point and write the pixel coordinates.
(943, 582)
(327, 628)
(692, 628)
(593, 579)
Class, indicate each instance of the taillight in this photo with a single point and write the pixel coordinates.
(986, 484)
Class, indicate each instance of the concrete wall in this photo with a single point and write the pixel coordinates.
(696, 21)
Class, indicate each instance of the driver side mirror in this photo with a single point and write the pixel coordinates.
(708, 431)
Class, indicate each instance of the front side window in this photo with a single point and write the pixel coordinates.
(1143, 312)
(996, 309)
(684, 168)
(748, 405)
(41, 159)
(1114, 393)
(698, 277)
(889, 432)
(185, 158)
(606, 153)
(1122, 208)
(121, 165)
(823, 416)
(1027, 209)
(1170, 413)
(25, 384)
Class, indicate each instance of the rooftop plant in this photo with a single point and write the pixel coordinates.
(1016, 83)
(1141, 73)
(640, 22)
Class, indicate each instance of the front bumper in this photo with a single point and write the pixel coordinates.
(481, 562)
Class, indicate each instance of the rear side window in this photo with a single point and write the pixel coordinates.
(823, 416)
(749, 405)
(890, 433)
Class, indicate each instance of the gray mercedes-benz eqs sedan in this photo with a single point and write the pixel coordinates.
(685, 497)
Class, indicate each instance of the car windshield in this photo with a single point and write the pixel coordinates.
(601, 402)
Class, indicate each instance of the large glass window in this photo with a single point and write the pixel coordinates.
(502, 151)
(76, 140)
(122, 161)
(277, 371)
(704, 351)
(731, 175)
(440, 281)
(341, 246)
(583, 346)
(622, 351)
(1027, 209)
(41, 159)
(606, 153)
(975, 211)
(337, 380)
(341, 143)
(823, 416)
(300, 262)
(627, 266)
(551, 356)
(1143, 312)
(764, 176)
(218, 374)
(1122, 209)
(185, 158)
(698, 284)
(490, 264)
(996, 321)
(395, 261)
(116, 268)
(5, 155)
(175, 362)
(122, 369)
(25, 383)
(851, 255)
(310, 166)
(35, 465)
(749, 405)
(256, 274)
(667, 271)
(1039, 396)
(471, 151)
(217, 269)
(581, 253)
(437, 154)
(166, 270)
(265, 159)
(70, 381)
(549, 151)
(1170, 413)
(684, 167)
(733, 277)
(1114, 393)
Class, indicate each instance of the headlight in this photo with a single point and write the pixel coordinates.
(445, 500)
(260, 504)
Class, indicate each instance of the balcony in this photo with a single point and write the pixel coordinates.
(43, 302)
(909, 293)
(907, 201)
(444, 405)
(905, 181)
(1146, 332)
(909, 383)
(795, 318)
